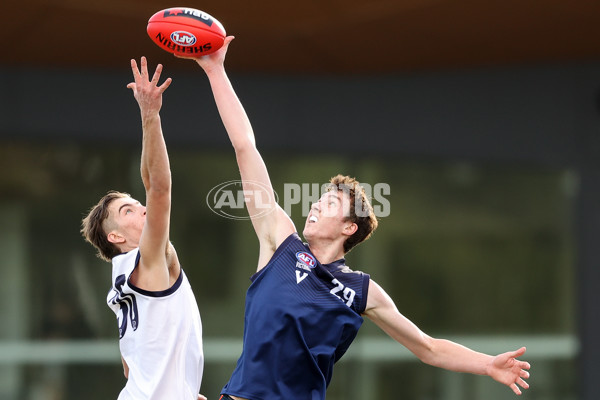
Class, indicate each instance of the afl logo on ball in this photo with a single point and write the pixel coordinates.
(306, 259)
(183, 38)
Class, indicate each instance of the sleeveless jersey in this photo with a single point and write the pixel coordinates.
(300, 319)
(160, 335)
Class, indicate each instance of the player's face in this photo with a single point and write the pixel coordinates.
(129, 217)
(328, 216)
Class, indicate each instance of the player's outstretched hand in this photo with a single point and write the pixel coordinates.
(506, 369)
(146, 90)
(200, 397)
(216, 59)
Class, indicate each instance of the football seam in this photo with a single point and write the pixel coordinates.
(208, 29)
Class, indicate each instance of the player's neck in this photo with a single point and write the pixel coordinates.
(326, 252)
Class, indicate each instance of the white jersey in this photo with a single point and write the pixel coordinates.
(160, 336)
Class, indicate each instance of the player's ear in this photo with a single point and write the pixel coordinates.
(115, 237)
(350, 228)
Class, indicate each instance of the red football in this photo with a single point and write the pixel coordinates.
(186, 31)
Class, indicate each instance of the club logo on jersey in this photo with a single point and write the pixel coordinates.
(127, 305)
(305, 260)
(183, 38)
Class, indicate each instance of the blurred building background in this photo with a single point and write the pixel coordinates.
(483, 119)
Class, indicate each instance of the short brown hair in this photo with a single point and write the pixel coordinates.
(92, 226)
(365, 219)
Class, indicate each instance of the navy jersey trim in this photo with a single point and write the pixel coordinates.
(278, 251)
(365, 297)
(337, 265)
(154, 293)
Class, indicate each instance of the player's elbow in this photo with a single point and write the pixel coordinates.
(159, 183)
(244, 142)
(159, 195)
(246, 153)
(426, 351)
(244, 146)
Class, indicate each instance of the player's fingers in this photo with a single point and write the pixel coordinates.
(524, 374)
(515, 388)
(228, 40)
(157, 73)
(134, 69)
(131, 86)
(165, 85)
(524, 365)
(518, 353)
(522, 383)
(144, 68)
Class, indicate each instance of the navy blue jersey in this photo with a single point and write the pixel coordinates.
(300, 319)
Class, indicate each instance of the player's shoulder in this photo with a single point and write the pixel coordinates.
(351, 276)
(127, 260)
(346, 269)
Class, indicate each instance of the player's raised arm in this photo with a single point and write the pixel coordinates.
(156, 176)
(271, 227)
(504, 368)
